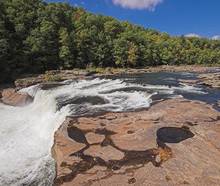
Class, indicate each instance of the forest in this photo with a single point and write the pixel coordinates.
(36, 36)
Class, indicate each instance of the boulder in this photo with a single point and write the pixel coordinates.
(13, 98)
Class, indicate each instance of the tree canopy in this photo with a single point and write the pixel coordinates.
(36, 36)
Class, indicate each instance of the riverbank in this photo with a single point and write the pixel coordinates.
(62, 75)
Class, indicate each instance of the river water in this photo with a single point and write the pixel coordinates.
(26, 134)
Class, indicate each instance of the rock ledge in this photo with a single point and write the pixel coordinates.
(175, 142)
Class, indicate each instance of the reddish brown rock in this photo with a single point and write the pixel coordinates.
(62, 148)
(13, 98)
(106, 153)
(94, 138)
(175, 142)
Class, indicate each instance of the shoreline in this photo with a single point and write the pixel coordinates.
(62, 75)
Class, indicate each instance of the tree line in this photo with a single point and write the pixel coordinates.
(36, 36)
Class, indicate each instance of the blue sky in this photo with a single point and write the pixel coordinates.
(176, 17)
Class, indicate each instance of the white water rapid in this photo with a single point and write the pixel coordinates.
(26, 133)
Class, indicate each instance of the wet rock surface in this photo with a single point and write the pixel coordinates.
(13, 98)
(175, 142)
(210, 79)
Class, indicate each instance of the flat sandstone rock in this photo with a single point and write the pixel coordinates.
(175, 142)
(13, 98)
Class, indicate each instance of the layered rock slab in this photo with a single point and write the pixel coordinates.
(210, 79)
(13, 98)
(175, 142)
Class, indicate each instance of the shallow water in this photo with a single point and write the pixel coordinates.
(162, 82)
(26, 134)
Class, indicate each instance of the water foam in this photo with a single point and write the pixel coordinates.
(26, 137)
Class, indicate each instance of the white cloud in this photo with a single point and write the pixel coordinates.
(192, 35)
(138, 4)
(217, 37)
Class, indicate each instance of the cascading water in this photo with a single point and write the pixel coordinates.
(26, 137)
(26, 134)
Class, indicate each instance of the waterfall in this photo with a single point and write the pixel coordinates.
(26, 133)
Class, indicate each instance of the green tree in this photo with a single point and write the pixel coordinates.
(36, 36)
(66, 51)
(43, 43)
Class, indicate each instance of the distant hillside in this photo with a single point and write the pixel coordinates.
(36, 36)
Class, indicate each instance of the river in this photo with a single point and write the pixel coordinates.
(26, 133)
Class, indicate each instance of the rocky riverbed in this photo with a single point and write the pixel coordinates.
(135, 127)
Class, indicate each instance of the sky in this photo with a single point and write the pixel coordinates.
(199, 18)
